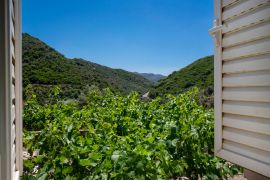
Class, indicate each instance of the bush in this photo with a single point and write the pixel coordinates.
(116, 137)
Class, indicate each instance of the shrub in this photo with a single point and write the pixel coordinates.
(116, 137)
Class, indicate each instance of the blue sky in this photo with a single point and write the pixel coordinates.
(157, 36)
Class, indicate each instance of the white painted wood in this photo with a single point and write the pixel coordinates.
(247, 20)
(226, 3)
(13, 71)
(247, 35)
(254, 94)
(247, 79)
(13, 133)
(250, 49)
(17, 175)
(258, 63)
(5, 110)
(242, 84)
(251, 139)
(18, 82)
(242, 8)
(12, 50)
(12, 114)
(13, 159)
(252, 124)
(14, 171)
(260, 155)
(245, 162)
(12, 92)
(12, 11)
(254, 109)
(12, 31)
(218, 77)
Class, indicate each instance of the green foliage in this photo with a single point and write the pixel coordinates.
(44, 68)
(155, 78)
(121, 137)
(200, 73)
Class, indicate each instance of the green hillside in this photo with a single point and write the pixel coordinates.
(155, 78)
(200, 73)
(44, 67)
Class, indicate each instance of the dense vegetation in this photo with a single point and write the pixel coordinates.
(200, 73)
(121, 137)
(44, 67)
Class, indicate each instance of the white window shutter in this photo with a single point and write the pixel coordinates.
(10, 90)
(242, 83)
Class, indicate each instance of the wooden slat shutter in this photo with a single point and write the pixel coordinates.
(10, 90)
(242, 83)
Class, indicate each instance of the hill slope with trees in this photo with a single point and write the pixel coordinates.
(200, 73)
(44, 67)
(152, 77)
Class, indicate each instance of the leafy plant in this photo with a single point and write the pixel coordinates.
(121, 137)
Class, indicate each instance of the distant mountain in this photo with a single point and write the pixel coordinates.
(152, 77)
(200, 73)
(44, 67)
